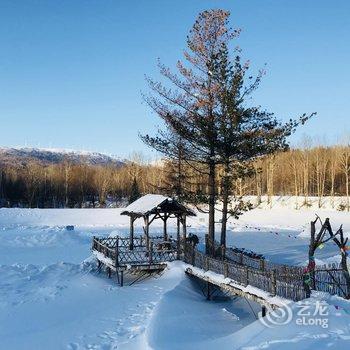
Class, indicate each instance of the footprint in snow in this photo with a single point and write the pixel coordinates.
(72, 346)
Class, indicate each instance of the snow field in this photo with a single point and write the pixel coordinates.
(52, 297)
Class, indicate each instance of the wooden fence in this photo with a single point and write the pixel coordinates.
(276, 282)
(142, 252)
(243, 267)
(325, 278)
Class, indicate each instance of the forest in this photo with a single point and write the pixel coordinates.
(313, 171)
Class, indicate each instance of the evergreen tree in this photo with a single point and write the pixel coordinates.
(206, 106)
(134, 191)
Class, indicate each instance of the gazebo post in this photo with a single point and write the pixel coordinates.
(132, 219)
(165, 234)
(184, 230)
(146, 219)
(178, 245)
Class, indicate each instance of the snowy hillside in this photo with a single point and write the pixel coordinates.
(22, 155)
(52, 297)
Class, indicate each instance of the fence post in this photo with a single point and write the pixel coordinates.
(225, 269)
(150, 257)
(273, 282)
(313, 279)
(192, 254)
(241, 259)
(117, 252)
(246, 275)
(178, 248)
(206, 263)
(185, 253)
(223, 252)
(262, 264)
(206, 244)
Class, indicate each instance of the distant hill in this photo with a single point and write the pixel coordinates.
(21, 156)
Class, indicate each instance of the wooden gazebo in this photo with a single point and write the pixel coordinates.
(155, 206)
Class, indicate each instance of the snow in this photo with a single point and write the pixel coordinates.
(146, 203)
(52, 296)
(102, 258)
(57, 154)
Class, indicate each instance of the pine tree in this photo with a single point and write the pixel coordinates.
(207, 108)
(189, 109)
(245, 132)
(134, 191)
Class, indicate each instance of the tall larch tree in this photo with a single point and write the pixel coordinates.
(206, 105)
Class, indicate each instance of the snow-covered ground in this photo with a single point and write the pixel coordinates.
(51, 296)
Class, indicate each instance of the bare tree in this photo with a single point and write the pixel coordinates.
(345, 167)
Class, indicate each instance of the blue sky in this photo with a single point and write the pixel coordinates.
(72, 72)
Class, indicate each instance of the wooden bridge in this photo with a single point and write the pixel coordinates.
(234, 271)
(239, 273)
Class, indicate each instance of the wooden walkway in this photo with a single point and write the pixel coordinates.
(235, 271)
(118, 255)
(246, 276)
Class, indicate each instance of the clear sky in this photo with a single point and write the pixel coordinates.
(72, 72)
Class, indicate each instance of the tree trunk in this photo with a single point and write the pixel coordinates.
(226, 186)
(212, 197)
(347, 190)
(225, 199)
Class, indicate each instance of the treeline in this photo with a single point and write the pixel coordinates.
(35, 185)
(317, 171)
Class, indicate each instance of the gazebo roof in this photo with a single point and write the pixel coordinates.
(156, 203)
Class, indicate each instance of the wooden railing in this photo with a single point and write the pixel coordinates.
(274, 281)
(244, 268)
(142, 252)
(281, 280)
